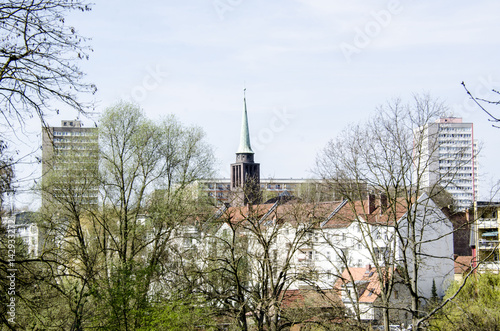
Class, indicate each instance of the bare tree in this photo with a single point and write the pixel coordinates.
(391, 155)
(38, 55)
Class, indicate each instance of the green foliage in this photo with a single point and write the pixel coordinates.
(119, 264)
(177, 314)
(475, 307)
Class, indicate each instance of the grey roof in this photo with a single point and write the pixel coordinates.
(245, 147)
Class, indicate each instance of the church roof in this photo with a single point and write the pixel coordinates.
(245, 147)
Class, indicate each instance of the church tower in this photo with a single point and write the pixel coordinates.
(245, 173)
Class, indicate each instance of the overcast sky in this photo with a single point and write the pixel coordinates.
(310, 67)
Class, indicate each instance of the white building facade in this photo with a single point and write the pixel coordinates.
(25, 229)
(336, 239)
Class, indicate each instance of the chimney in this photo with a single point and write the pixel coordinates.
(383, 202)
(368, 268)
(371, 203)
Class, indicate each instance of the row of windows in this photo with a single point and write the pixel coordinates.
(73, 141)
(459, 156)
(454, 128)
(73, 147)
(454, 162)
(455, 135)
(74, 133)
(262, 186)
(73, 154)
(460, 143)
(463, 195)
(278, 186)
(456, 168)
(219, 186)
(454, 149)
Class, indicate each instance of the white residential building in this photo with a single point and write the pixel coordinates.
(357, 234)
(26, 230)
(362, 238)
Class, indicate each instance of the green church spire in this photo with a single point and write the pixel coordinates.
(245, 147)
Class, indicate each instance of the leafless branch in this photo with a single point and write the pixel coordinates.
(476, 101)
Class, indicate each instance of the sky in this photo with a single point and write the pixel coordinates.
(310, 68)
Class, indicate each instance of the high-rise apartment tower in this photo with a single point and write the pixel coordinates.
(70, 163)
(449, 155)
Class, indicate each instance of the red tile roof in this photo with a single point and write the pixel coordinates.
(463, 264)
(367, 282)
(310, 298)
(320, 212)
